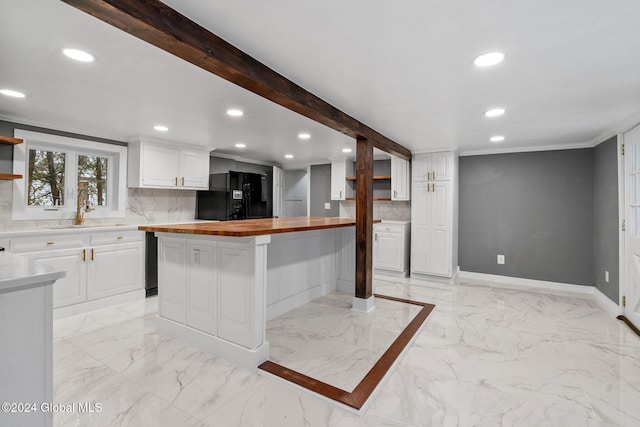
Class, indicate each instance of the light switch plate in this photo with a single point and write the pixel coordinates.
(327, 206)
(500, 259)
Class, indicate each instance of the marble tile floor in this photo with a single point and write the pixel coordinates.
(488, 355)
(326, 340)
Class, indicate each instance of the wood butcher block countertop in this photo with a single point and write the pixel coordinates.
(254, 227)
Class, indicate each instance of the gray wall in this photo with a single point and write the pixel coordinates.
(320, 192)
(535, 208)
(606, 235)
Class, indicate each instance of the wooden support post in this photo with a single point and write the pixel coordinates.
(364, 217)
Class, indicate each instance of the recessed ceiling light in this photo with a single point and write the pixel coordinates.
(234, 112)
(288, 156)
(497, 138)
(488, 59)
(346, 150)
(494, 112)
(304, 136)
(161, 128)
(12, 93)
(78, 55)
(240, 145)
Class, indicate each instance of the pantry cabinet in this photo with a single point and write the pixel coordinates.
(154, 164)
(434, 215)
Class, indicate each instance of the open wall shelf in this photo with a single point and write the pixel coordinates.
(375, 177)
(6, 140)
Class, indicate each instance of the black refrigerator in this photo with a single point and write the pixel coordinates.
(233, 195)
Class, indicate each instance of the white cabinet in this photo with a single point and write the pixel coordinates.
(71, 289)
(201, 292)
(194, 170)
(172, 277)
(153, 164)
(98, 265)
(340, 169)
(114, 269)
(433, 167)
(434, 215)
(391, 247)
(400, 179)
(278, 188)
(209, 285)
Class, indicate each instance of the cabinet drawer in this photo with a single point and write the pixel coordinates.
(31, 244)
(109, 237)
(386, 227)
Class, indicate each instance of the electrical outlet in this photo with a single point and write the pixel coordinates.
(327, 206)
(606, 276)
(500, 259)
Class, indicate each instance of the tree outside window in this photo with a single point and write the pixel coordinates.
(46, 178)
(93, 171)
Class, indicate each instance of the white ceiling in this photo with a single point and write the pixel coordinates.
(570, 78)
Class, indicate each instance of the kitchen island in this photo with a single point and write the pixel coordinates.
(220, 282)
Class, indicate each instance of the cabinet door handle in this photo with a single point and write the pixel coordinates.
(196, 256)
(341, 194)
(51, 243)
(375, 236)
(428, 176)
(428, 188)
(433, 174)
(92, 254)
(183, 181)
(433, 188)
(395, 194)
(84, 255)
(176, 181)
(120, 237)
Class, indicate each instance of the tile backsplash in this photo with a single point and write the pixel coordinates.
(391, 211)
(143, 206)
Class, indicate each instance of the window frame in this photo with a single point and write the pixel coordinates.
(116, 179)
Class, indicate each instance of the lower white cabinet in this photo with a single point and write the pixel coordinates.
(114, 269)
(209, 285)
(71, 289)
(391, 247)
(98, 265)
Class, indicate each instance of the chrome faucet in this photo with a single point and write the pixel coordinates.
(82, 205)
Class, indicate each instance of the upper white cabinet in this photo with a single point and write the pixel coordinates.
(434, 215)
(340, 169)
(154, 164)
(400, 179)
(433, 167)
(278, 188)
(194, 170)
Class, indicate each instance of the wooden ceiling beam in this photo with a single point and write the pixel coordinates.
(165, 28)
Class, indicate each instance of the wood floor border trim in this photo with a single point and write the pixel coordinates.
(357, 398)
(629, 324)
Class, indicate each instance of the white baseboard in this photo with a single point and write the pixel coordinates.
(294, 301)
(249, 359)
(605, 303)
(601, 299)
(72, 310)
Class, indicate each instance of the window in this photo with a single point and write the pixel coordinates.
(46, 177)
(59, 171)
